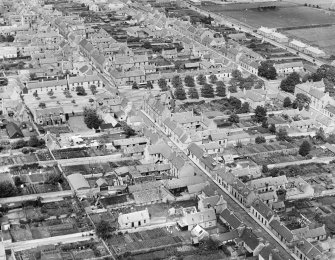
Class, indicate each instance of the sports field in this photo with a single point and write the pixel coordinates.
(285, 15)
(323, 37)
(322, 3)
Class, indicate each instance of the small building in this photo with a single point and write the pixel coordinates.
(306, 251)
(314, 51)
(13, 130)
(298, 45)
(217, 202)
(262, 212)
(134, 219)
(230, 219)
(192, 218)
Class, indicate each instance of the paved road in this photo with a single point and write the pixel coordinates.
(237, 208)
(238, 25)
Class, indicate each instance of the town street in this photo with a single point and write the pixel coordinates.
(234, 205)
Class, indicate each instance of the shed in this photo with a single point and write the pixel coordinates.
(13, 130)
(78, 181)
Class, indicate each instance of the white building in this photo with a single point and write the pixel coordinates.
(267, 32)
(279, 37)
(134, 219)
(298, 45)
(315, 52)
(8, 52)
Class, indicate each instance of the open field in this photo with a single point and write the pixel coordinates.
(281, 17)
(322, 37)
(325, 4)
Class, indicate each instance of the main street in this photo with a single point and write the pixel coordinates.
(233, 205)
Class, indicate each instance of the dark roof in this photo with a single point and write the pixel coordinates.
(262, 209)
(249, 238)
(114, 200)
(282, 230)
(231, 219)
(13, 130)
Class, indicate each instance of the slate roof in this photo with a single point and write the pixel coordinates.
(262, 209)
(13, 130)
(231, 219)
(282, 230)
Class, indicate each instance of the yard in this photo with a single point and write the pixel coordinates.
(144, 241)
(77, 124)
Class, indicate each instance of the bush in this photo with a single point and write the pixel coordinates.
(260, 140)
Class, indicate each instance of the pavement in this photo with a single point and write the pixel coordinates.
(241, 212)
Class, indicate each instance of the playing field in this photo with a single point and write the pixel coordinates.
(323, 37)
(322, 3)
(285, 15)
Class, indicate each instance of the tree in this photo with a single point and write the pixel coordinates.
(104, 229)
(149, 85)
(91, 118)
(282, 135)
(201, 79)
(93, 89)
(207, 91)
(189, 81)
(147, 45)
(260, 140)
(265, 168)
(233, 118)
(51, 92)
(134, 86)
(18, 182)
(33, 141)
(267, 70)
(176, 81)
(180, 93)
(305, 148)
(32, 75)
(128, 131)
(265, 124)
(288, 84)
(244, 108)
(272, 129)
(324, 72)
(42, 105)
(232, 89)
(163, 84)
(287, 102)
(260, 114)
(236, 74)
(302, 101)
(7, 189)
(220, 89)
(213, 78)
(80, 91)
(320, 135)
(193, 93)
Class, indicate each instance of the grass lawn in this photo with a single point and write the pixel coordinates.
(322, 37)
(278, 18)
(77, 124)
(40, 232)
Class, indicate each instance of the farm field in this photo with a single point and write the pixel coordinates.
(322, 37)
(281, 17)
